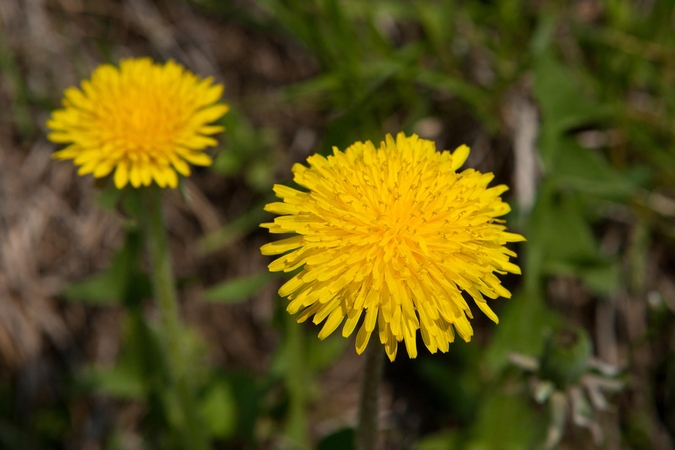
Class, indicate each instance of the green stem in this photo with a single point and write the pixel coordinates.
(193, 437)
(296, 383)
(367, 428)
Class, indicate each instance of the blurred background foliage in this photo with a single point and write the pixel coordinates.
(572, 104)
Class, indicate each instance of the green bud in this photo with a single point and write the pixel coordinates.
(565, 356)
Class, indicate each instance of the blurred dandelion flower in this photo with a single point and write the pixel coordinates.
(396, 233)
(143, 120)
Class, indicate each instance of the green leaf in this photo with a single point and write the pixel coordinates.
(291, 364)
(227, 163)
(244, 144)
(140, 368)
(248, 392)
(52, 423)
(120, 381)
(474, 96)
(259, 175)
(569, 246)
(235, 229)
(458, 389)
(444, 440)
(116, 440)
(322, 354)
(588, 171)
(544, 33)
(109, 197)
(437, 19)
(100, 289)
(563, 106)
(604, 279)
(443, 82)
(521, 328)
(563, 231)
(313, 87)
(220, 410)
(122, 282)
(240, 289)
(522, 430)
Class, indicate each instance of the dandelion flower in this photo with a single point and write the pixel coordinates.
(394, 234)
(144, 121)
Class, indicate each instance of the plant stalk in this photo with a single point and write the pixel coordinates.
(296, 383)
(171, 330)
(367, 427)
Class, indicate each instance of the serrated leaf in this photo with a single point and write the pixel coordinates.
(564, 232)
(588, 171)
(563, 106)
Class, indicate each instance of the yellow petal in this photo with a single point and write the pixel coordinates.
(210, 114)
(351, 322)
(103, 169)
(121, 175)
(459, 156)
(488, 311)
(197, 158)
(391, 347)
(69, 152)
(146, 174)
(59, 137)
(512, 237)
(135, 175)
(170, 177)
(281, 246)
(211, 129)
(196, 142)
(362, 338)
(181, 166)
(291, 286)
(334, 320)
(158, 176)
(281, 208)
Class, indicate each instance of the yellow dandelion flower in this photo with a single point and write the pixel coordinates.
(143, 120)
(395, 233)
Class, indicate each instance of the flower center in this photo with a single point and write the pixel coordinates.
(142, 126)
(393, 229)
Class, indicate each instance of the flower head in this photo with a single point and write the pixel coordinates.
(144, 121)
(395, 233)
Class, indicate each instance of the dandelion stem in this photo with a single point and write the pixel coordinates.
(367, 428)
(296, 383)
(171, 332)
